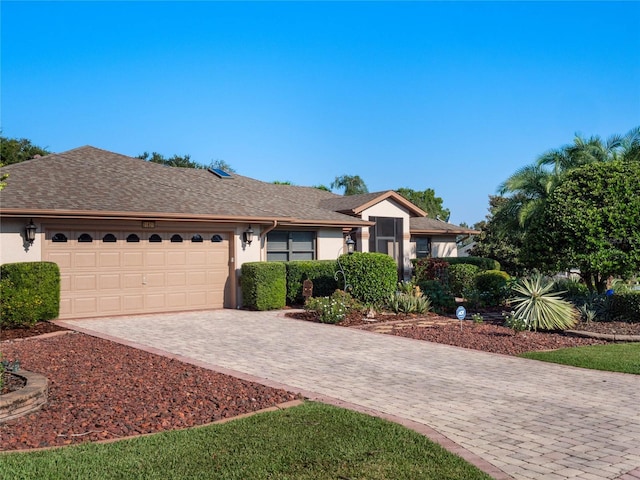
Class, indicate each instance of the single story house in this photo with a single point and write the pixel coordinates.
(133, 237)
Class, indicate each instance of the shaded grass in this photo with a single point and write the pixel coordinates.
(616, 357)
(312, 441)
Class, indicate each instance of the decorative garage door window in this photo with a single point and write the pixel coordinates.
(285, 246)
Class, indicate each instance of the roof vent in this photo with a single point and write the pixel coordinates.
(220, 173)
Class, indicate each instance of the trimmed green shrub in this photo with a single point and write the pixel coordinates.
(625, 307)
(480, 262)
(441, 300)
(264, 285)
(492, 287)
(462, 278)
(431, 269)
(332, 309)
(371, 277)
(320, 272)
(29, 293)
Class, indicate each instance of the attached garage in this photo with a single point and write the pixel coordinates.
(120, 272)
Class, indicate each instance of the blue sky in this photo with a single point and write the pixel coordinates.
(453, 96)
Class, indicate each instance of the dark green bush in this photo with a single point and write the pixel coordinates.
(320, 272)
(480, 262)
(462, 278)
(29, 293)
(492, 287)
(441, 300)
(430, 269)
(625, 307)
(372, 277)
(264, 285)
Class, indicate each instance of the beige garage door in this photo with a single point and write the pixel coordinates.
(129, 272)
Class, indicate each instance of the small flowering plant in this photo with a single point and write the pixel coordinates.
(331, 309)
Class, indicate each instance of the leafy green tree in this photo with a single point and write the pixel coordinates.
(529, 188)
(590, 222)
(279, 182)
(16, 150)
(3, 177)
(427, 201)
(352, 184)
(322, 187)
(499, 239)
(182, 161)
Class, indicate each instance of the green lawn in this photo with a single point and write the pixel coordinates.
(616, 357)
(312, 441)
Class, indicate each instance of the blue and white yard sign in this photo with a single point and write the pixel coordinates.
(461, 312)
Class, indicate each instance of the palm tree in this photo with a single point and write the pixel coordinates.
(529, 187)
(352, 184)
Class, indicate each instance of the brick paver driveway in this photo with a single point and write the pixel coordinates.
(529, 419)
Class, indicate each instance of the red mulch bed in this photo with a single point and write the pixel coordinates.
(102, 390)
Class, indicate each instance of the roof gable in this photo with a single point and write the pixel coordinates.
(356, 204)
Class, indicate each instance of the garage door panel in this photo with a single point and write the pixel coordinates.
(84, 259)
(155, 279)
(109, 259)
(175, 279)
(118, 277)
(155, 259)
(85, 282)
(132, 280)
(85, 305)
(177, 300)
(155, 301)
(176, 258)
(108, 281)
(63, 259)
(198, 298)
(197, 278)
(134, 303)
(132, 259)
(110, 304)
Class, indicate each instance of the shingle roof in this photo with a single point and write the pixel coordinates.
(91, 182)
(427, 225)
(99, 182)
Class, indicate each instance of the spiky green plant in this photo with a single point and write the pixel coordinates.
(541, 308)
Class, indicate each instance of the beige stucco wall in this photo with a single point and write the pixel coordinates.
(13, 246)
(389, 208)
(444, 247)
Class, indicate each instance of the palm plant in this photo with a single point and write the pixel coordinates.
(540, 307)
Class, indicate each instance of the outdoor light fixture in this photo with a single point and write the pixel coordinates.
(30, 232)
(247, 235)
(350, 244)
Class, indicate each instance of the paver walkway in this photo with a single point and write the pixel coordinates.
(529, 419)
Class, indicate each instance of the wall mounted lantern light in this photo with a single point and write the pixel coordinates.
(350, 244)
(30, 232)
(247, 235)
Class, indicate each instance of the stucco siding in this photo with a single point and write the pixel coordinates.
(444, 247)
(14, 247)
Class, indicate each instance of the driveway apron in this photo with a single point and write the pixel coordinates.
(527, 419)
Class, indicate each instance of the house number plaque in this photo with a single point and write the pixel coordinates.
(147, 224)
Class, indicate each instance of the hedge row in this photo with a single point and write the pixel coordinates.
(370, 277)
(29, 293)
